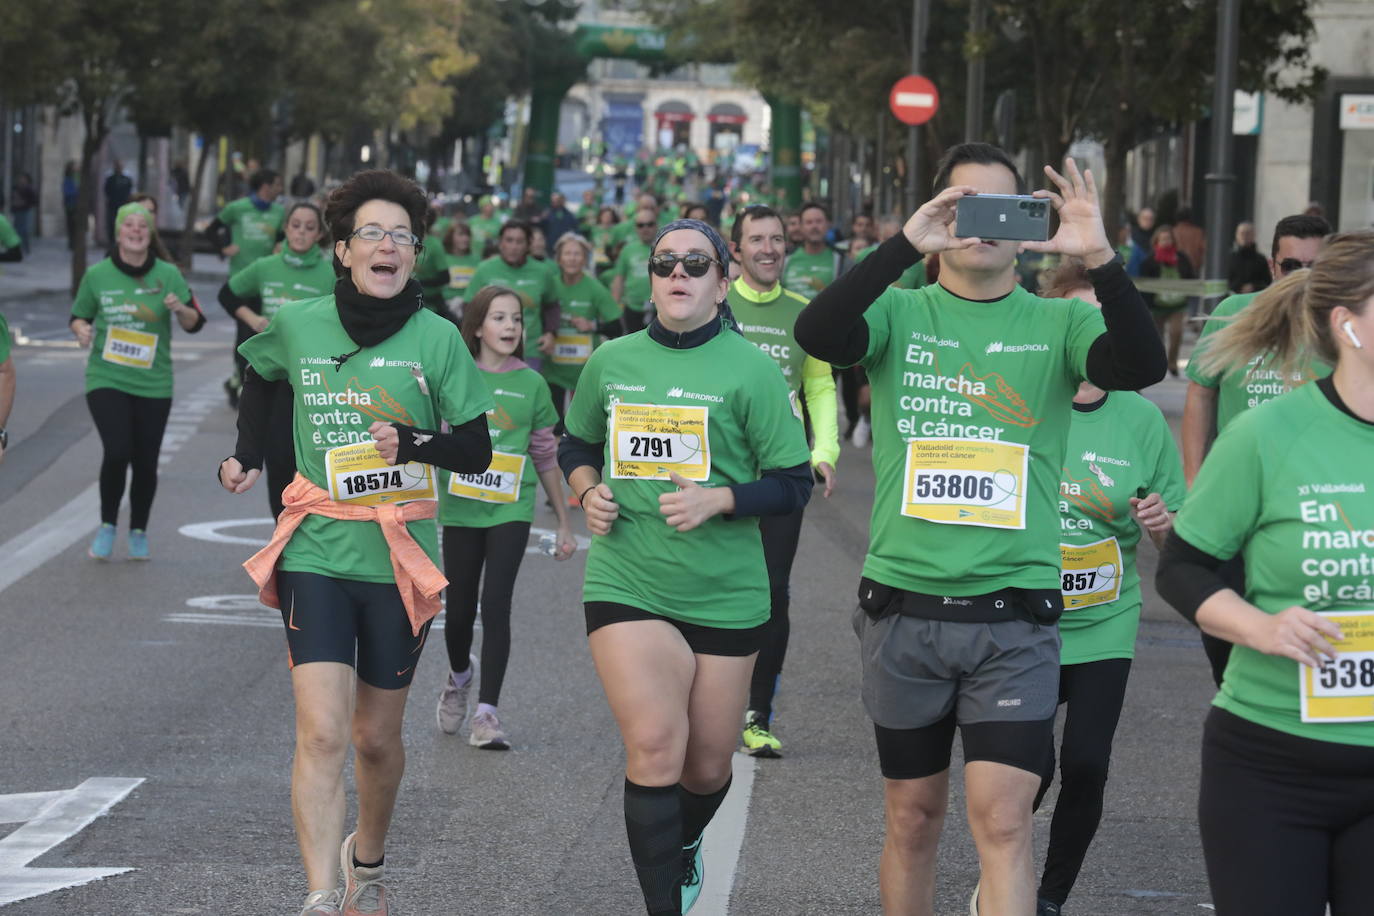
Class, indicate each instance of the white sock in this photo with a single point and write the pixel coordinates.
(460, 678)
(485, 707)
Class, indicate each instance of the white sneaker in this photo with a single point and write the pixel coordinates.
(862, 429)
(322, 903)
(452, 710)
(487, 733)
(973, 901)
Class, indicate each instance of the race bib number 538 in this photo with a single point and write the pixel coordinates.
(648, 441)
(966, 482)
(358, 474)
(1343, 690)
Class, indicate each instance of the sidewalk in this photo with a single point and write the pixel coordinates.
(47, 270)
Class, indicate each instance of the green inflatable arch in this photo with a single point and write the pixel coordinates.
(647, 46)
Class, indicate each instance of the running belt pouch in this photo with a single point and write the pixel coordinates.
(1043, 605)
(877, 600)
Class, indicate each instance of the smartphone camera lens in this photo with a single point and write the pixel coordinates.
(1024, 204)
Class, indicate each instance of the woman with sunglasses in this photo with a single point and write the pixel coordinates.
(255, 294)
(123, 313)
(353, 563)
(678, 439)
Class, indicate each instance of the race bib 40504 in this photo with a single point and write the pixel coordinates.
(499, 483)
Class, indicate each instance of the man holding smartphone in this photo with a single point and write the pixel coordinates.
(973, 379)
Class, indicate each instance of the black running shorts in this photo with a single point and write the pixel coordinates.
(702, 640)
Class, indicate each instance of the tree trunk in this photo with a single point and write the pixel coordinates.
(188, 236)
(1114, 195)
(85, 197)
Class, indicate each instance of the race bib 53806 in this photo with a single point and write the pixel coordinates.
(966, 482)
(1343, 690)
(1090, 573)
(126, 347)
(358, 474)
(499, 483)
(650, 440)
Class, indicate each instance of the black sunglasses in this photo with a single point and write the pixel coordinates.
(695, 263)
(1288, 265)
(643, 225)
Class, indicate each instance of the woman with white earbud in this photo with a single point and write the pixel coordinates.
(1286, 805)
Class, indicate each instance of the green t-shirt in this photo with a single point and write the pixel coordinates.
(914, 277)
(808, 274)
(712, 575)
(1119, 450)
(505, 491)
(253, 230)
(131, 349)
(4, 339)
(1288, 485)
(945, 368)
(1239, 391)
(287, 277)
(633, 265)
(586, 298)
(484, 228)
(531, 281)
(767, 320)
(335, 405)
(9, 237)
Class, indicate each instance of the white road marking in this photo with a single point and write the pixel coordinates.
(724, 837)
(210, 531)
(64, 815)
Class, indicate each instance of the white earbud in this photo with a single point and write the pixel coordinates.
(1350, 332)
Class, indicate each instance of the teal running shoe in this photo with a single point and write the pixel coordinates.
(694, 872)
(138, 544)
(103, 545)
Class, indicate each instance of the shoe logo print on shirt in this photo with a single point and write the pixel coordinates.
(1101, 475)
(999, 398)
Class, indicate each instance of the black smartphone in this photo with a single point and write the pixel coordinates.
(1013, 217)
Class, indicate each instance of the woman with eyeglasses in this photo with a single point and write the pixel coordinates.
(678, 439)
(589, 316)
(630, 275)
(123, 312)
(353, 564)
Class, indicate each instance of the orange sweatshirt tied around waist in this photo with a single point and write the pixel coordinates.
(417, 578)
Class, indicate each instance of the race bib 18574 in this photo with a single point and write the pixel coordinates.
(650, 440)
(126, 347)
(1343, 690)
(358, 474)
(1090, 573)
(499, 483)
(966, 482)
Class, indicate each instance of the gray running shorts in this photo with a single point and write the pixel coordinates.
(916, 670)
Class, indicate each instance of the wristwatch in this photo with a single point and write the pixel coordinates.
(4, 437)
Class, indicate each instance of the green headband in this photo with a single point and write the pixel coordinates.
(134, 209)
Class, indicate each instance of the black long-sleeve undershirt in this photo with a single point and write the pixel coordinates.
(778, 491)
(1128, 357)
(232, 302)
(1187, 576)
(464, 449)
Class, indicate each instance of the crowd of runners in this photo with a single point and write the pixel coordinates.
(404, 376)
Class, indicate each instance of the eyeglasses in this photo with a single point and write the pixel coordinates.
(695, 263)
(644, 225)
(1288, 265)
(402, 237)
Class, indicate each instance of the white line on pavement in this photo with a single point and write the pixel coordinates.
(724, 836)
(67, 814)
(30, 549)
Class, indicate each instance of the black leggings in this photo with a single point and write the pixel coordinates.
(780, 536)
(466, 551)
(1287, 823)
(1094, 692)
(130, 430)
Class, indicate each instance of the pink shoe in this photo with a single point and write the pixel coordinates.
(363, 891)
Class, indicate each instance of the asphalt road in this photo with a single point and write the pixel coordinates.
(161, 690)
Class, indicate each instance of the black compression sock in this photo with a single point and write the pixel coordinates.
(653, 825)
(697, 810)
(377, 864)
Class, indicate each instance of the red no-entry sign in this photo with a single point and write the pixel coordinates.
(914, 100)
